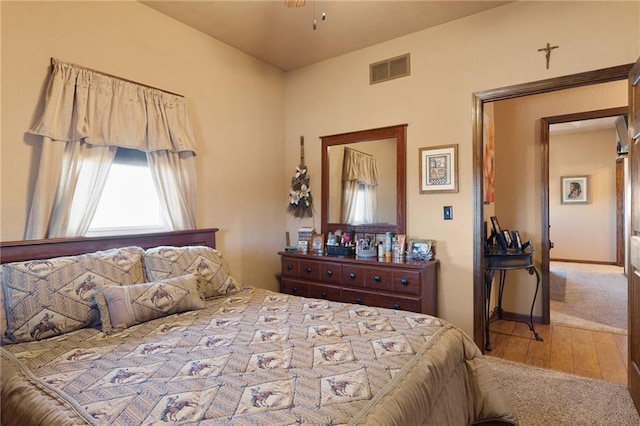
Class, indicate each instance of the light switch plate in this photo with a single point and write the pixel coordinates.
(448, 212)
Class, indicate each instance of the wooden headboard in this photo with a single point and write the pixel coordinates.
(16, 251)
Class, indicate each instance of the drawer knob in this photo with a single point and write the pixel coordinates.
(352, 275)
(404, 281)
(294, 290)
(309, 269)
(359, 301)
(289, 267)
(324, 294)
(329, 272)
(376, 278)
(396, 306)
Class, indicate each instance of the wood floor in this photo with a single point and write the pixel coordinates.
(593, 354)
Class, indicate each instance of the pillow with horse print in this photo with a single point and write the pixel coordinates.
(206, 263)
(124, 306)
(49, 297)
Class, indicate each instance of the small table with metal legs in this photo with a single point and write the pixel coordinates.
(503, 261)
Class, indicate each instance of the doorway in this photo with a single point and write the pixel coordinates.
(480, 98)
(594, 208)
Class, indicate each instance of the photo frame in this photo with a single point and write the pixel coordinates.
(501, 241)
(495, 225)
(574, 189)
(422, 250)
(507, 238)
(517, 240)
(317, 243)
(438, 169)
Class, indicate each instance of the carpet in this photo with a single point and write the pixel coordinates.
(588, 296)
(544, 397)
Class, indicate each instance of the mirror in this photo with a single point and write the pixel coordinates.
(363, 181)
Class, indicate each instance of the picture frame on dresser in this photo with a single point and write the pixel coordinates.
(317, 243)
(420, 249)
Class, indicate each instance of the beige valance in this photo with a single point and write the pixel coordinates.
(99, 109)
(360, 167)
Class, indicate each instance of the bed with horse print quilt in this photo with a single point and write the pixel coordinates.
(178, 340)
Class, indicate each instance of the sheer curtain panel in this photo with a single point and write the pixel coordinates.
(86, 116)
(359, 173)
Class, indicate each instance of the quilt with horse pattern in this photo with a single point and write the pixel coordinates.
(256, 358)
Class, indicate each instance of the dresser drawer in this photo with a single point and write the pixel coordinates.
(398, 302)
(294, 287)
(353, 275)
(325, 292)
(290, 267)
(309, 270)
(359, 297)
(330, 272)
(378, 279)
(409, 282)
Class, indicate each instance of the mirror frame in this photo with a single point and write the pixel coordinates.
(399, 132)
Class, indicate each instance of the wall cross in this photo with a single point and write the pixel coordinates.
(547, 51)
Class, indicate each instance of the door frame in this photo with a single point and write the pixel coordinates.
(545, 234)
(604, 75)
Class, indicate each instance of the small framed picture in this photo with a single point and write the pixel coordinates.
(574, 189)
(517, 240)
(495, 225)
(317, 242)
(420, 249)
(439, 169)
(507, 238)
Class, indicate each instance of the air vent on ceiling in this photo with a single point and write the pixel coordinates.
(389, 69)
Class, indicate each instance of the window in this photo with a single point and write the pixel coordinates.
(360, 215)
(125, 208)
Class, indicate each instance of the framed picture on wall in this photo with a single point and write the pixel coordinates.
(574, 189)
(439, 169)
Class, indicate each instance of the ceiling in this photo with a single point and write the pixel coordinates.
(284, 36)
(583, 125)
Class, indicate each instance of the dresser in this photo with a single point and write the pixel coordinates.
(402, 284)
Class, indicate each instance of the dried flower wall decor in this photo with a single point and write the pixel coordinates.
(300, 198)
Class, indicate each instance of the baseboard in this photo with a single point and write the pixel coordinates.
(593, 262)
(512, 316)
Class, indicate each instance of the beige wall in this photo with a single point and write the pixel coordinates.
(519, 167)
(584, 231)
(448, 63)
(236, 105)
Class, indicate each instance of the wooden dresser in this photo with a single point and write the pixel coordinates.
(406, 285)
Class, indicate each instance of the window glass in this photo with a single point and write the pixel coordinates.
(360, 205)
(124, 207)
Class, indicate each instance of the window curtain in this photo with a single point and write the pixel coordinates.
(85, 117)
(359, 173)
(174, 175)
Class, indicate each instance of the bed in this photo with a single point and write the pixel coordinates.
(239, 355)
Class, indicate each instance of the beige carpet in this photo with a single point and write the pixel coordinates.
(589, 296)
(550, 398)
